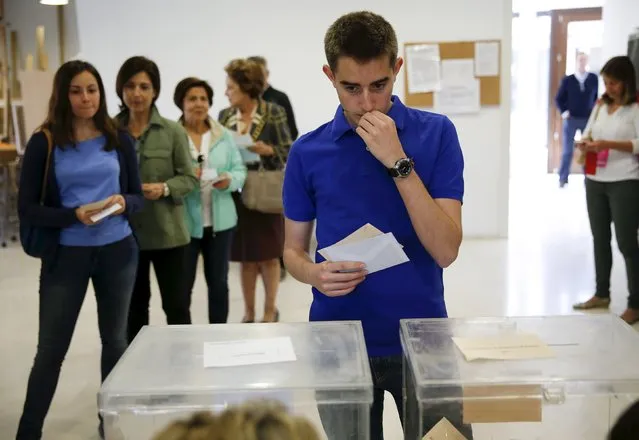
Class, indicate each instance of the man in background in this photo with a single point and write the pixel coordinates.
(271, 94)
(575, 100)
(275, 96)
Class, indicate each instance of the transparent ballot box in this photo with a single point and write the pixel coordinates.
(533, 378)
(318, 370)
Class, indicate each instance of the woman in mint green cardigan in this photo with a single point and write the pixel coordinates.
(210, 211)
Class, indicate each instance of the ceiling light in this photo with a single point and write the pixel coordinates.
(54, 2)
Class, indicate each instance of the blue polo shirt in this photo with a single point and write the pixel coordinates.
(331, 178)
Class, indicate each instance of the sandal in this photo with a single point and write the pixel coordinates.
(276, 318)
(595, 302)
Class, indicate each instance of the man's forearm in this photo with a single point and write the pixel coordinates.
(437, 231)
(299, 264)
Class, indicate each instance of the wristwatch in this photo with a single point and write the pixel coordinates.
(403, 167)
(167, 191)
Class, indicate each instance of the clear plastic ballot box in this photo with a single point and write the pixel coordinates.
(170, 372)
(532, 378)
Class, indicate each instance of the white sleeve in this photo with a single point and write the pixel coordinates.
(635, 123)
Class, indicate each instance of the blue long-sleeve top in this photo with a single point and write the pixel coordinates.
(52, 214)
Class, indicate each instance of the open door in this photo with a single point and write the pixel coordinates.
(571, 31)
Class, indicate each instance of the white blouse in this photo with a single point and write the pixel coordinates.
(622, 125)
(205, 190)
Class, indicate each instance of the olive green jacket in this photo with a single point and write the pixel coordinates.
(163, 156)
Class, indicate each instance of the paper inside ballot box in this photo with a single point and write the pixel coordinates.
(502, 403)
(444, 430)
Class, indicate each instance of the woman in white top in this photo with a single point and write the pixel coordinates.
(211, 217)
(612, 192)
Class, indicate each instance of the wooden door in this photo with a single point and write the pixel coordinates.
(560, 19)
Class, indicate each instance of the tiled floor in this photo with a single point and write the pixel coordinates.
(543, 268)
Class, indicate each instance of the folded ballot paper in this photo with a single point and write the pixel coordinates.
(444, 430)
(378, 251)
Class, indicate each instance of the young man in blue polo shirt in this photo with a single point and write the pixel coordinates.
(377, 162)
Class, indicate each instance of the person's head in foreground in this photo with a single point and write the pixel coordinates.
(361, 52)
(258, 420)
(627, 425)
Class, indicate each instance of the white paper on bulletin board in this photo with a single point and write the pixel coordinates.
(458, 71)
(423, 68)
(487, 59)
(457, 98)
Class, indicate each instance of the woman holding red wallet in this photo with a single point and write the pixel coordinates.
(612, 182)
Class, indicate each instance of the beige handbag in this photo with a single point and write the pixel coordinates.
(262, 190)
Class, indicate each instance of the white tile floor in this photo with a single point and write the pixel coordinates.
(543, 268)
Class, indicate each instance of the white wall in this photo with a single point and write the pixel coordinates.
(620, 18)
(24, 16)
(199, 37)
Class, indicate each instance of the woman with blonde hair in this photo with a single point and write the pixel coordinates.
(260, 420)
(258, 243)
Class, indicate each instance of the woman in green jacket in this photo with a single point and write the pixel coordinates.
(167, 176)
(211, 216)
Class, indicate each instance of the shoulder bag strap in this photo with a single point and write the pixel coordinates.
(49, 137)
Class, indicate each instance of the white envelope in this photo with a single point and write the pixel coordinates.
(105, 212)
(249, 156)
(243, 140)
(377, 253)
(366, 231)
(209, 174)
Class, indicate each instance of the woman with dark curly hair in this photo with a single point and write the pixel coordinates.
(259, 241)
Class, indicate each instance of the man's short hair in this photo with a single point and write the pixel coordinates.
(362, 36)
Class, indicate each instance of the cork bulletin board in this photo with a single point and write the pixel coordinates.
(489, 86)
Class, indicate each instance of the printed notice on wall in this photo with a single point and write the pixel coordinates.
(423, 68)
(487, 59)
(458, 71)
(458, 98)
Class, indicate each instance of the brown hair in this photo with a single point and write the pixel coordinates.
(259, 60)
(60, 116)
(248, 75)
(132, 67)
(362, 36)
(263, 420)
(183, 87)
(621, 69)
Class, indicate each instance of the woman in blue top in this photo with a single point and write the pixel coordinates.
(90, 162)
(211, 216)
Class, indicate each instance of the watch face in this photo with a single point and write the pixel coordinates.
(404, 167)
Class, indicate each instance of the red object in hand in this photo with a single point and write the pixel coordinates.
(590, 167)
